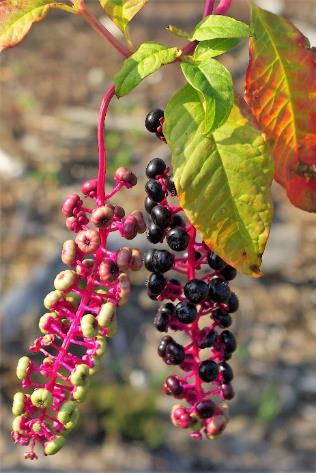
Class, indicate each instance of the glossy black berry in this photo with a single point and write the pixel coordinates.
(174, 353)
(224, 320)
(177, 221)
(161, 322)
(162, 260)
(148, 257)
(208, 340)
(149, 204)
(177, 239)
(226, 372)
(208, 371)
(174, 386)
(171, 186)
(229, 272)
(205, 409)
(151, 295)
(197, 255)
(219, 290)
(154, 233)
(155, 168)
(215, 261)
(233, 303)
(154, 190)
(161, 216)
(185, 312)
(163, 345)
(196, 291)
(152, 120)
(168, 309)
(228, 392)
(156, 283)
(229, 341)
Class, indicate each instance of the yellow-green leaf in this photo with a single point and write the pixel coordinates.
(223, 180)
(147, 59)
(218, 26)
(122, 11)
(214, 47)
(214, 82)
(17, 17)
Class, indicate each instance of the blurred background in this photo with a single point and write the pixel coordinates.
(51, 86)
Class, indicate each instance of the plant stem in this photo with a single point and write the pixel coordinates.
(99, 28)
(109, 94)
(222, 7)
(208, 7)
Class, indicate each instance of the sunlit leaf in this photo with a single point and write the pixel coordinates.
(122, 11)
(218, 26)
(178, 32)
(17, 17)
(214, 47)
(223, 180)
(281, 93)
(146, 60)
(215, 83)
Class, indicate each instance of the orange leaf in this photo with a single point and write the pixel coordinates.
(281, 93)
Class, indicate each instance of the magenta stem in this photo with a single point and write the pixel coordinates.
(222, 7)
(109, 94)
(208, 7)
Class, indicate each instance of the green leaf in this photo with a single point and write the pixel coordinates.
(147, 59)
(17, 17)
(223, 180)
(122, 11)
(215, 84)
(178, 32)
(214, 47)
(218, 26)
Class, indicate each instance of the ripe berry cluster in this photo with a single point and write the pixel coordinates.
(81, 315)
(200, 308)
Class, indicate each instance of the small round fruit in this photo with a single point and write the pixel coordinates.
(229, 273)
(205, 409)
(154, 190)
(233, 303)
(172, 385)
(229, 341)
(219, 290)
(226, 372)
(177, 239)
(174, 353)
(154, 233)
(196, 291)
(156, 283)
(162, 261)
(149, 204)
(161, 322)
(186, 312)
(228, 392)
(163, 345)
(208, 340)
(161, 216)
(171, 186)
(155, 167)
(215, 261)
(152, 120)
(208, 371)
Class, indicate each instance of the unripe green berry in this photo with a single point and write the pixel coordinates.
(80, 375)
(51, 298)
(16, 424)
(96, 366)
(73, 299)
(22, 367)
(80, 393)
(102, 346)
(66, 411)
(41, 398)
(106, 314)
(88, 326)
(71, 424)
(112, 329)
(55, 445)
(36, 427)
(44, 319)
(18, 404)
(65, 279)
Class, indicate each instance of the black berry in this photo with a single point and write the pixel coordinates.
(161, 216)
(155, 168)
(224, 320)
(177, 239)
(227, 391)
(205, 409)
(148, 262)
(156, 283)
(219, 290)
(162, 260)
(161, 322)
(185, 312)
(152, 120)
(171, 186)
(154, 190)
(229, 272)
(174, 353)
(229, 341)
(154, 233)
(215, 261)
(208, 371)
(177, 221)
(196, 291)
(163, 345)
(208, 340)
(174, 386)
(226, 372)
(232, 303)
(149, 204)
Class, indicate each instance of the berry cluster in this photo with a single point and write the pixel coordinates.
(81, 314)
(200, 308)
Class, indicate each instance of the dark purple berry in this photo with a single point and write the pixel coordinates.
(161, 322)
(177, 239)
(156, 283)
(173, 386)
(154, 233)
(171, 186)
(208, 340)
(155, 167)
(177, 221)
(223, 319)
(167, 309)
(226, 372)
(229, 341)
(148, 260)
(185, 312)
(161, 216)
(149, 204)
(208, 371)
(228, 392)
(229, 273)
(174, 353)
(233, 303)
(163, 345)
(205, 409)
(215, 261)
(196, 291)
(219, 290)
(162, 261)
(152, 120)
(154, 190)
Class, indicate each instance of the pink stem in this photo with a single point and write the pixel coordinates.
(222, 7)
(109, 94)
(208, 7)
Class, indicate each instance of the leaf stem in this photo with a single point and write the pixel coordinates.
(208, 7)
(103, 31)
(222, 7)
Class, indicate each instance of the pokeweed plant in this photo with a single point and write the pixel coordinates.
(221, 174)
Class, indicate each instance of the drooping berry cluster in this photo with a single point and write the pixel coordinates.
(200, 308)
(81, 314)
